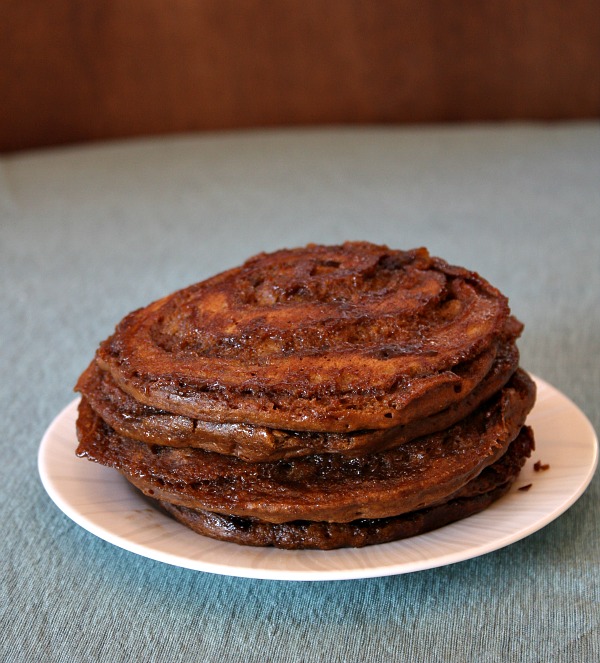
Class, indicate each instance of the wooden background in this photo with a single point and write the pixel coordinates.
(75, 70)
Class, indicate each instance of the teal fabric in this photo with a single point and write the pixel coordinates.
(89, 233)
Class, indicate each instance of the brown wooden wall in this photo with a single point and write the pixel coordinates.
(76, 70)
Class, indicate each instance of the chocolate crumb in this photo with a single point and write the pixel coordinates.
(527, 487)
(540, 467)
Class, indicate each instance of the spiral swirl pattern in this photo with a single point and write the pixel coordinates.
(338, 338)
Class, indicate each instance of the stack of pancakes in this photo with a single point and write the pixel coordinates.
(319, 397)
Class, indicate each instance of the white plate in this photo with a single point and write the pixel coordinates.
(103, 502)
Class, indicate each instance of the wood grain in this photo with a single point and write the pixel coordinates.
(75, 71)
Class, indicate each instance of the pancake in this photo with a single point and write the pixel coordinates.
(492, 484)
(259, 443)
(326, 339)
(318, 397)
(321, 487)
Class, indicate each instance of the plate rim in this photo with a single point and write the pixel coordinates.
(57, 495)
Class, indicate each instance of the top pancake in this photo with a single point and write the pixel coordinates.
(337, 338)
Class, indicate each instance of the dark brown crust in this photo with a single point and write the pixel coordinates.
(329, 339)
(477, 495)
(258, 443)
(320, 487)
(304, 535)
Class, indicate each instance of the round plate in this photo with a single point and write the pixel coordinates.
(103, 502)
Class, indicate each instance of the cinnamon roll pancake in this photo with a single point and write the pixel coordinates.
(322, 338)
(478, 494)
(286, 400)
(259, 443)
(323, 486)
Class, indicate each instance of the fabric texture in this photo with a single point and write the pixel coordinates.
(90, 233)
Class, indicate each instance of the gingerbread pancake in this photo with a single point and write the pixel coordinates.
(322, 487)
(478, 494)
(259, 443)
(326, 339)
